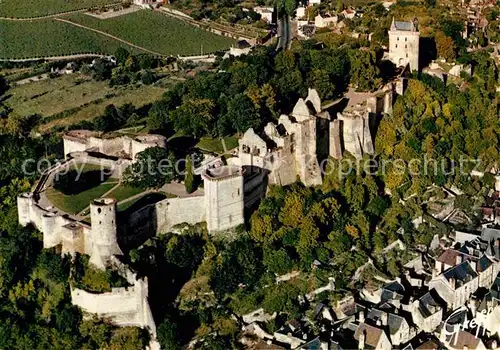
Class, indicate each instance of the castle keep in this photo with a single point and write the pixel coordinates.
(404, 44)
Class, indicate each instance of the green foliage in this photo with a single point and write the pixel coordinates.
(364, 70)
(153, 168)
(121, 55)
(189, 177)
(167, 334)
(92, 279)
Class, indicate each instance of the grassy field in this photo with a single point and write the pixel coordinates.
(23, 39)
(37, 8)
(137, 203)
(157, 32)
(218, 146)
(87, 97)
(76, 203)
(123, 192)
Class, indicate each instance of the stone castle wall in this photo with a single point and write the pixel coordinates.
(175, 211)
(118, 146)
(127, 306)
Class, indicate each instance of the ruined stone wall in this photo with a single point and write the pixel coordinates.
(73, 145)
(126, 306)
(161, 217)
(335, 142)
(175, 211)
(111, 146)
(306, 160)
(117, 167)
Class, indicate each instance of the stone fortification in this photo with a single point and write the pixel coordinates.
(127, 306)
(286, 150)
(223, 197)
(122, 146)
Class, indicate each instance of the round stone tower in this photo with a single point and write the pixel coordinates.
(224, 199)
(51, 230)
(103, 233)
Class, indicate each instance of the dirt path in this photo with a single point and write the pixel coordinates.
(109, 36)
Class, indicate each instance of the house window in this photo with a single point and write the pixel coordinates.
(396, 46)
(238, 191)
(406, 46)
(397, 38)
(406, 39)
(406, 55)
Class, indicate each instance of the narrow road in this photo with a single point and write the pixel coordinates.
(109, 36)
(285, 35)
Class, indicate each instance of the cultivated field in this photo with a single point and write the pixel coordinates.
(38, 8)
(157, 32)
(85, 98)
(27, 39)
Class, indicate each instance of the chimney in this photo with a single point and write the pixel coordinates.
(472, 306)
(361, 344)
(383, 318)
(361, 316)
(473, 264)
(416, 305)
(452, 283)
(458, 259)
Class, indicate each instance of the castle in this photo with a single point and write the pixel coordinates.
(404, 44)
(285, 151)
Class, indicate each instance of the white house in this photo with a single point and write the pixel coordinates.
(456, 285)
(325, 21)
(266, 13)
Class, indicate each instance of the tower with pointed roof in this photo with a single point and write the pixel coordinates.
(404, 44)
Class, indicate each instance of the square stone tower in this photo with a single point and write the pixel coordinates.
(223, 197)
(404, 44)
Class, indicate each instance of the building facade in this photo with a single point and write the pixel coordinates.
(404, 44)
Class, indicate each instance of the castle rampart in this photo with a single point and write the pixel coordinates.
(122, 146)
(127, 306)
